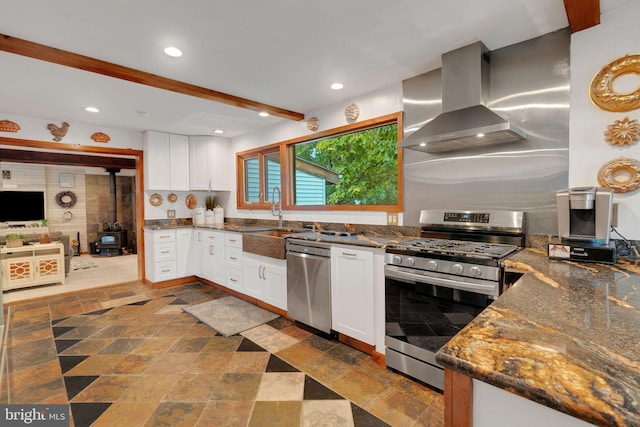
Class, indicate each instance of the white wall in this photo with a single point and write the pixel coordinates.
(374, 104)
(36, 129)
(591, 50)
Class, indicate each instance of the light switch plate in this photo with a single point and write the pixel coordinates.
(392, 218)
(171, 213)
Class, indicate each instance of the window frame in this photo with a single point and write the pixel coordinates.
(286, 149)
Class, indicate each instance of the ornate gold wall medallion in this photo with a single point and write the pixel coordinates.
(313, 123)
(622, 175)
(155, 199)
(172, 197)
(58, 132)
(352, 112)
(622, 132)
(602, 92)
(9, 126)
(100, 137)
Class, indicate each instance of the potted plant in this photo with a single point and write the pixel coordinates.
(16, 240)
(44, 237)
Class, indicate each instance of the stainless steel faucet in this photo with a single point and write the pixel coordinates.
(273, 205)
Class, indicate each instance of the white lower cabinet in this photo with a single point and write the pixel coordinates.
(184, 252)
(266, 279)
(212, 255)
(234, 261)
(160, 255)
(352, 293)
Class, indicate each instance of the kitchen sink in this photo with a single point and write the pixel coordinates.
(340, 233)
(269, 243)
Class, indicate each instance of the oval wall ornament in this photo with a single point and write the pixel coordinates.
(9, 126)
(602, 92)
(621, 175)
(66, 199)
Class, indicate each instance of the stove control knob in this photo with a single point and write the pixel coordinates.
(397, 259)
(432, 265)
(475, 271)
(457, 269)
(410, 261)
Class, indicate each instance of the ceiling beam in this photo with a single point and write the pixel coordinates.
(61, 57)
(48, 158)
(582, 14)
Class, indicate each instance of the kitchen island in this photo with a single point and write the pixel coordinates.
(565, 335)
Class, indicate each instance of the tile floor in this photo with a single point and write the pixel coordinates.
(127, 355)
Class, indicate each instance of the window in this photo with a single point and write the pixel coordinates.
(354, 167)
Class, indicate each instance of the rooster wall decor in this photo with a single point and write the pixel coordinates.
(58, 132)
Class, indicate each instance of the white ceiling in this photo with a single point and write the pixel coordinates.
(284, 53)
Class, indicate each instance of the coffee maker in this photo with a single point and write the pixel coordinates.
(584, 225)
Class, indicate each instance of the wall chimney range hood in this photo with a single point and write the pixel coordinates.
(465, 121)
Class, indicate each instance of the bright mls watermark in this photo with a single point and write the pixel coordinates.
(34, 415)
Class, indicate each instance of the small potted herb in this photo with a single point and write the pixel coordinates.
(16, 240)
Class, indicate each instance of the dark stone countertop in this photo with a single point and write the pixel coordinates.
(566, 335)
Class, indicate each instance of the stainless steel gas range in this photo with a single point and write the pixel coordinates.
(436, 284)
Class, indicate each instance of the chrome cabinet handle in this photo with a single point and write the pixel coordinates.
(264, 273)
(348, 254)
(260, 271)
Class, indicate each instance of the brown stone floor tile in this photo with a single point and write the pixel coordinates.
(129, 414)
(296, 332)
(299, 354)
(325, 368)
(189, 345)
(210, 363)
(87, 347)
(107, 388)
(357, 387)
(438, 402)
(149, 388)
(58, 399)
(22, 337)
(41, 373)
(30, 315)
(193, 387)
(347, 354)
(132, 364)
(320, 343)
(248, 361)
(171, 330)
(109, 332)
(31, 353)
(80, 332)
(237, 387)
(281, 386)
(66, 309)
(395, 407)
(183, 319)
(91, 307)
(155, 346)
(122, 346)
(200, 330)
(76, 321)
(171, 363)
(176, 414)
(39, 391)
(140, 331)
(227, 413)
(19, 321)
(222, 344)
(431, 417)
(318, 413)
(98, 364)
(276, 414)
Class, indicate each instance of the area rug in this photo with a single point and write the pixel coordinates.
(230, 315)
(80, 263)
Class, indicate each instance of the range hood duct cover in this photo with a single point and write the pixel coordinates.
(465, 121)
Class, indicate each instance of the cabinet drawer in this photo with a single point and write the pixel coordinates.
(210, 238)
(164, 271)
(164, 236)
(234, 278)
(164, 252)
(233, 240)
(234, 258)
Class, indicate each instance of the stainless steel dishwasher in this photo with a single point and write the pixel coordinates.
(309, 283)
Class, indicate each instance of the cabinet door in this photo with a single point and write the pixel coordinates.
(213, 256)
(275, 274)
(156, 160)
(352, 293)
(178, 162)
(221, 164)
(199, 162)
(184, 254)
(254, 285)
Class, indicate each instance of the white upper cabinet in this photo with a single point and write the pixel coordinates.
(166, 161)
(211, 163)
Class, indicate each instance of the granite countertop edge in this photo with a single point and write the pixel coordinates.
(564, 336)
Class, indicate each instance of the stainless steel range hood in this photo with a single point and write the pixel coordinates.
(465, 121)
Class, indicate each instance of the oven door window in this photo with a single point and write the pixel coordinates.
(428, 316)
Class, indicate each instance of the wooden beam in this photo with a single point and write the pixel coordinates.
(582, 14)
(61, 57)
(49, 158)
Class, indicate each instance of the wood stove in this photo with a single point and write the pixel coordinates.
(110, 243)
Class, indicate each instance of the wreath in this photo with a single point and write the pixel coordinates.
(66, 199)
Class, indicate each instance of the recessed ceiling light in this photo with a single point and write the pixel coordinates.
(92, 109)
(218, 131)
(263, 114)
(173, 51)
(337, 86)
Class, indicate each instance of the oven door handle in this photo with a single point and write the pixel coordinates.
(489, 288)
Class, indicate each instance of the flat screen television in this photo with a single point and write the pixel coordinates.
(21, 206)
